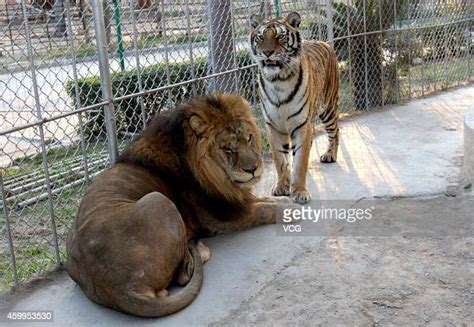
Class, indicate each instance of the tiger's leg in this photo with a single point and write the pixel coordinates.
(301, 139)
(280, 145)
(329, 119)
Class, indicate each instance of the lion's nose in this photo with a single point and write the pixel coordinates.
(250, 170)
(268, 53)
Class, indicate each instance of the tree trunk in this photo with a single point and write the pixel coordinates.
(60, 26)
(85, 21)
(108, 21)
(367, 72)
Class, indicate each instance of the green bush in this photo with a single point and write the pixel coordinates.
(128, 113)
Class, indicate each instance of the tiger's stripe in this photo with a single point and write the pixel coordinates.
(298, 81)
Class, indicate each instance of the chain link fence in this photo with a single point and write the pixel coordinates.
(79, 79)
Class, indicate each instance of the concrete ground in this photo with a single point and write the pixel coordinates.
(411, 264)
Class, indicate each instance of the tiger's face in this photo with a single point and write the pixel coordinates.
(276, 43)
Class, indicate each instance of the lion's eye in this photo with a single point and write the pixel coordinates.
(250, 139)
(228, 150)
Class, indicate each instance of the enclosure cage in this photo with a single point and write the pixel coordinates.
(78, 79)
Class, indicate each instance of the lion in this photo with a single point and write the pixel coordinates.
(189, 174)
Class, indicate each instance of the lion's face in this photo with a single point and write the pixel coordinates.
(226, 148)
(238, 153)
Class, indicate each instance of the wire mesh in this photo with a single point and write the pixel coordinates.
(73, 90)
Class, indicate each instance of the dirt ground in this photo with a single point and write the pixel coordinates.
(366, 281)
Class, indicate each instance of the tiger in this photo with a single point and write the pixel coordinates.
(298, 81)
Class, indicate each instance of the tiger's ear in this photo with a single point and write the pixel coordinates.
(198, 125)
(255, 20)
(294, 19)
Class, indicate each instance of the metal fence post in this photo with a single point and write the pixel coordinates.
(318, 10)
(265, 9)
(397, 82)
(422, 31)
(167, 59)
(105, 80)
(349, 47)
(366, 77)
(329, 22)
(382, 72)
(190, 44)
(118, 32)
(254, 80)
(39, 115)
(469, 65)
(138, 68)
(72, 44)
(221, 45)
(277, 5)
(8, 230)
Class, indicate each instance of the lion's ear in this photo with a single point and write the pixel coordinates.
(198, 125)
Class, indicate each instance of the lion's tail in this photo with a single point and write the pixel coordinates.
(147, 306)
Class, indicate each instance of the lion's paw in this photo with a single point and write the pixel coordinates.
(204, 251)
(301, 196)
(281, 190)
(186, 269)
(162, 293)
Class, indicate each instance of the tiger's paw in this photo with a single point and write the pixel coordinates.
(301, 196)
(328, 157)
(281, 189)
